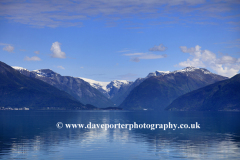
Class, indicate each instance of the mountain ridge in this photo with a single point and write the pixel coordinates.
(17, 90)
(76, 87)
(157, 92)
(117, 91)
(220, 96)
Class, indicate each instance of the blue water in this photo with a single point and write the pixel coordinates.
(34, 135)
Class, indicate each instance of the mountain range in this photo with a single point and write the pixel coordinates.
(17, 91)
(76, 87)
(157, 92)
(154, 92)
(220, 96)
(114, 90)
(118, 90)
(86, 91)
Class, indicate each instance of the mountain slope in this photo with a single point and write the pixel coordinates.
(17, 90)
(123, 95)
(100, 86)
(125, 91)
(76, 87)
(114, 90)
(223, 95)
(157, 73)
(157, 92)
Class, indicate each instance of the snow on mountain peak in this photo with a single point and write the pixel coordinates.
(157, 73)
(163, 71)
(118, 83)
(39, 73)
(191, 69)
(106, 86)
(187, 69)
(96, 84)
(205, 71)
(122, 81)
(19, 68)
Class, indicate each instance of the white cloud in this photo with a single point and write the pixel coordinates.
(238, 61)
(227, 60)
(34, 58)
(61, 67)
(56, 50)
(135, 57)
(8, 48)
(53, 13)
(37, 52)
(184, 49)
(133, 54)
(225, 65)
(208, 56)
(152, 56)
(194, 62)
(160, 47)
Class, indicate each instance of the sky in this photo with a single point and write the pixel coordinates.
(107, 40)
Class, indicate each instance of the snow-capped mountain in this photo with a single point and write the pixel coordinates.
(157, 73)
(187, 69)
(111, 90)
(106, 86)
(19, 68)
(114, 91)
(192, 69)
(156, 92)
(18, 91)
(104, 94)
(101, 86)
(118, 90)
(78, 88)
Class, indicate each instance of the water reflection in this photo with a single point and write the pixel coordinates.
(33, 135)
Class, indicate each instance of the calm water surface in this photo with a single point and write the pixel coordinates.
(34, 135)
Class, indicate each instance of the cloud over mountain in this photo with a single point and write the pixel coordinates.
(225, 65)
(56, 50)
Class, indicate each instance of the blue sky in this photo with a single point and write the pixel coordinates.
(120, 39)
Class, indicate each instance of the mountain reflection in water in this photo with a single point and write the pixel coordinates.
(34, 135)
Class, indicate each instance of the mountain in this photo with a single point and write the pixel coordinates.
(76, 87)
(157, 92)
(157, 73)
(100, 86)
(121, 97)
(223, 95)
(114, 90)
(117, 88)
(17, 91)
(126, 91)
